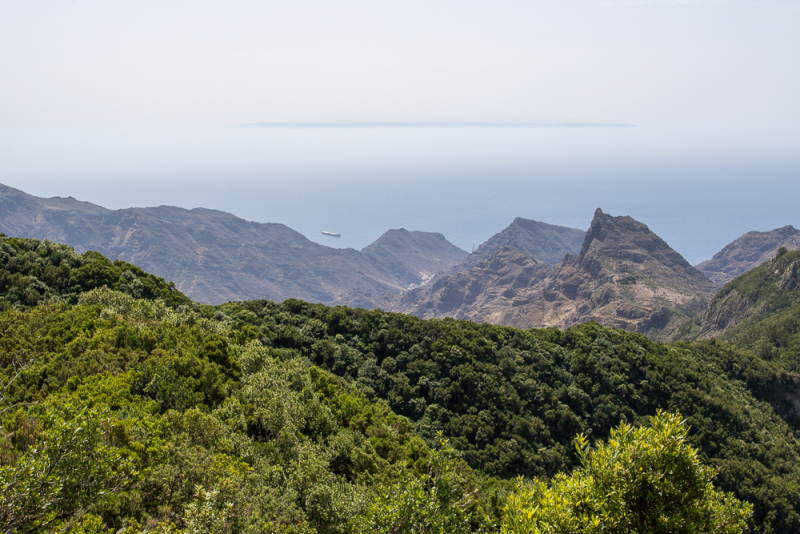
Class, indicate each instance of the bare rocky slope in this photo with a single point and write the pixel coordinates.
(213, 256)
(623, 276)
(627, 277)
(747, 252)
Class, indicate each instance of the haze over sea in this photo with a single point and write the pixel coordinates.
(698, 187)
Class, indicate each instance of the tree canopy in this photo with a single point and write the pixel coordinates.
(125, 409)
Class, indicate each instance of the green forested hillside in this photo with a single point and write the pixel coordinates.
(34, 271)
(511, 401)
(760, 312)
(767, 299)
(178, 406)
(152, 415)
(130, 407)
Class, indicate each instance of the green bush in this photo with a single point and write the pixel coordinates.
(644, 480)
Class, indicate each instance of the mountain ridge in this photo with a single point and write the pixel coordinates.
(618, 272)
(432, 254)
(769, 288)
(545, 242)
(623, 276)
(747, 252)
(214, 256)
(473, 293)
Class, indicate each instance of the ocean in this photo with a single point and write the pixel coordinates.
(698, 187)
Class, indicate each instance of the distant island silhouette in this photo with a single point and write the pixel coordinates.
(438, 125)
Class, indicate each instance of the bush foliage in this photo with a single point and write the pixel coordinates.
(641, 480)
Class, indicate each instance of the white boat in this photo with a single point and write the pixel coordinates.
(332, 234)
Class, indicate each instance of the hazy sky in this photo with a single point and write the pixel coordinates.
(213, 62)
(132, 103)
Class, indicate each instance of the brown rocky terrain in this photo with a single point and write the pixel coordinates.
(213, 256)
(747, 252)
(623, 276)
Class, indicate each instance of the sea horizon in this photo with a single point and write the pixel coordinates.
(696, 187)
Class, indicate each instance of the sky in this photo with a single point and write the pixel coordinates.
(143, 102)
(99, 63)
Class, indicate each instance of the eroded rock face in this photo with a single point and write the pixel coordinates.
(623, 275)
(726, 310)
(789, 278)
(747, 252)
(213, 256)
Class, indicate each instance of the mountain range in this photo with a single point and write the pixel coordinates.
(623, 275)
(531, 274)
(215, 257)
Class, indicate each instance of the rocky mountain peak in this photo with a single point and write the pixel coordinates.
(596, 232)
(625, 276)
(618, 241)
